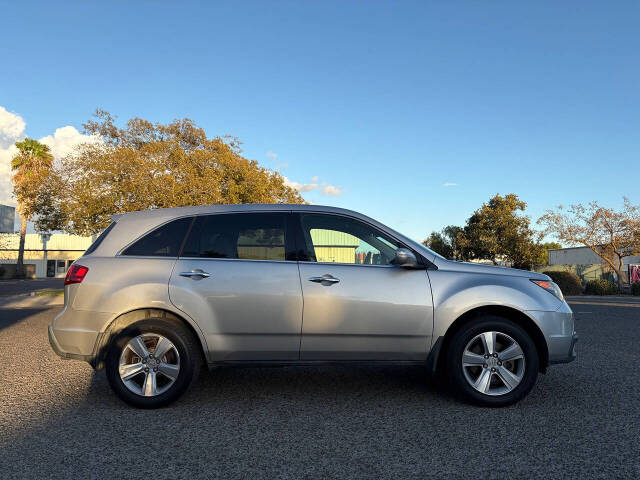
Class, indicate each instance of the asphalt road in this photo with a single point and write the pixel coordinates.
(59, 419)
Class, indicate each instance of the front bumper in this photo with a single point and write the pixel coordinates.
(572, 352)
(558, 328)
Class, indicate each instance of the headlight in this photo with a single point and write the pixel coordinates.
(550, 287)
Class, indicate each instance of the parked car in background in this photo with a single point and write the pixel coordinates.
(161, 292)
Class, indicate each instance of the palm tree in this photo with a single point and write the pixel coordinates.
(31, 165)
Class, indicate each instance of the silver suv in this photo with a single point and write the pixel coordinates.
(160, 292)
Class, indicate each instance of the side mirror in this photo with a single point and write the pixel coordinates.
(405, 258)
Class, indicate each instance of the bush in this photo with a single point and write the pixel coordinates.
(635, 288)
(601, 287)
(569, 283)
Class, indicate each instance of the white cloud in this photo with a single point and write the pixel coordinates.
(314, 185)
(449, 184)
(272, 155)
(66, 139)
(331, 190)
(6, 154)
(12, 129)
(301, 187)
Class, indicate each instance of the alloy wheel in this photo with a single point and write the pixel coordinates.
(493, 363)
(149, 364)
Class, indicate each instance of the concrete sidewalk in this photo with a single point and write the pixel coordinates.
(18, 287)
(28, 301)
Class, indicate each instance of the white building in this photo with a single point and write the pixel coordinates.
(44, 255)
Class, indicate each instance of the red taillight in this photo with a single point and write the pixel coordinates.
(75, 274)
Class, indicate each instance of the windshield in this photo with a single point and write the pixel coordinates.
(433, 253)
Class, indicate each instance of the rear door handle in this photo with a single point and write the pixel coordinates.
(195, 274)
(327, 279)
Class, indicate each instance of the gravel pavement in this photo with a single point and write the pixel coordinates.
(59, 419)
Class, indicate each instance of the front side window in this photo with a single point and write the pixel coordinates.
(164, 241)
(248, 236)
(337, 239)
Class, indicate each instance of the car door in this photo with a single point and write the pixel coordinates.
(236, 279)
(357, 306)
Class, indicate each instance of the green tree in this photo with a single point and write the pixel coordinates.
(31, 166)
(445, 242)
(499, 231)
(151, 165)
(436, 242)
(611, 234)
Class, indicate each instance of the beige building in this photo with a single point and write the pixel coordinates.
(586, 264)
(332, 246)
(44, 255)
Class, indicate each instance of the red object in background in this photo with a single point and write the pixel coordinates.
(543, 284)
(75, 274)
(635, 274)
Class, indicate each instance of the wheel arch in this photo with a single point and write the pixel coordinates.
(517, 316)
(131, 317)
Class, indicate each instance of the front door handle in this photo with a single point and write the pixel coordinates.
(325, 279)
(195, 274)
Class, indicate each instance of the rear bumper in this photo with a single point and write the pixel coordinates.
(66, 355)
(75, 334)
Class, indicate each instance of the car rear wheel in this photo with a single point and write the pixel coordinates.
(492, 361)
(151, 363)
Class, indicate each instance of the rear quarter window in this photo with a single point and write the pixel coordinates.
(99, 240)
(164, 241)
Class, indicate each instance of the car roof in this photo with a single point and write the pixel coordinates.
(243, 207)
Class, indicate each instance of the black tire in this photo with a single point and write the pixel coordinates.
(457, 345)
(185, 344)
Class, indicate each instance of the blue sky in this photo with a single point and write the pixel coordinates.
(385, 101)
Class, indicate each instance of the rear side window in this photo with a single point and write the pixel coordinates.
(164, 241)
(100, 238)
(250, 236)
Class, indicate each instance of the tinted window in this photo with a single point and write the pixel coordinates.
(257, 236)
(336, 239)
(100, 238)
(164, 241)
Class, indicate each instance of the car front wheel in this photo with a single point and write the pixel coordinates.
(492, 361)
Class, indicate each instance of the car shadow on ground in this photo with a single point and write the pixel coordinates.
(305, 386)
(17, 316)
